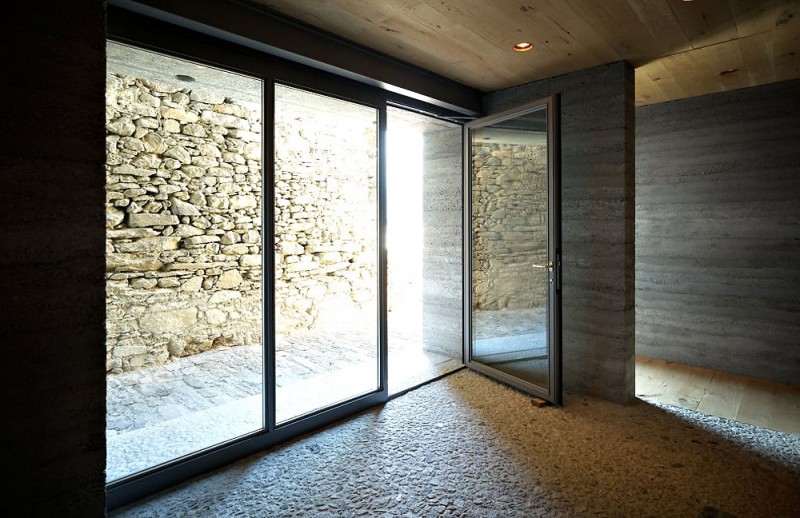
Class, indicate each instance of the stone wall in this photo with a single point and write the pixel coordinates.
(325, 212)
(509, 189)
(183, 250)
(184, 228)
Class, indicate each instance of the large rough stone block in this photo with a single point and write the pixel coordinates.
(170, 320)
(149, 244)
(229, 279)
(132, 263)
(144, 219)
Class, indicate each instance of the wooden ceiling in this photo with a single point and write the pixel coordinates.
(679, 48)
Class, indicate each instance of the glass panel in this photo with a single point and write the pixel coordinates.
(184, 353)
(510, 268)
(326, 254)
(423, 239)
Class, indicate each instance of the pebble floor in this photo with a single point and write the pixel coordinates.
(470, 447)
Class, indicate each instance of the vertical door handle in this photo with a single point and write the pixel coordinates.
(557, 273)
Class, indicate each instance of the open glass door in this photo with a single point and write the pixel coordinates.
(513, 266)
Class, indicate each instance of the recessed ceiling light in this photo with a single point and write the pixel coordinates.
(523, 46)
(729, 72)
(181, 77)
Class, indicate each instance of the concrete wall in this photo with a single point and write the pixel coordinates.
(442, 221)
(597, 142)
(718, 231)
(52, 259)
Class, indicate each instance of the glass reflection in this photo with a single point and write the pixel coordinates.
(326, 259)
(510, 269)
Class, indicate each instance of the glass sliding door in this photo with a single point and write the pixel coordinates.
(184, 353)
(326, 251)
(424, 247)
(247, 281)
(514, 248)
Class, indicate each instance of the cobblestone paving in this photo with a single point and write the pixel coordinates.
(469, 447)
(160, 413)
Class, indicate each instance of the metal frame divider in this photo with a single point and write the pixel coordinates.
(553, 392)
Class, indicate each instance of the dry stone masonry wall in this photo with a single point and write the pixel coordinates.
(509, 192)
(325, 215)
(183, 251)
(184, 228)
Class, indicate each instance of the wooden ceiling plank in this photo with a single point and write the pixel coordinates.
(664, 79)
(692, 72)
(786, 51)
(647, 90)
(567, 43)
(333, 16)
(389, 32)
(469, 40)
(489, 40)
(465, 63)
(485, 59)
(786, 13)
(659, 20)
(555, 51)
(301, 10)
(618, 24)
(753, 16)
(547, 15)
(705, 23)
(434, 20)
(758, 56)
(722, 58)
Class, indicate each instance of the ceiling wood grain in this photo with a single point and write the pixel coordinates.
(678, 49)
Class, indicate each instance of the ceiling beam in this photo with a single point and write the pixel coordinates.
(269, 32)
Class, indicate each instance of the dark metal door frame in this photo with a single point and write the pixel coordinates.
(553, 391)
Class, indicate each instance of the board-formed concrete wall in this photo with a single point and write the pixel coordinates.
(51, 259)
(442, 222)
(597, 189)
(718, 231)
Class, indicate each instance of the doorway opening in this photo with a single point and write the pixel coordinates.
(423, 242)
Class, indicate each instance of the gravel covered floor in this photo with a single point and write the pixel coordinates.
(468, 446)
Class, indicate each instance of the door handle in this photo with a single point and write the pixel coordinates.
(548, 266)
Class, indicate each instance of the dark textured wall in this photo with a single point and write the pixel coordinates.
(51, 258)
(718, 231)
(597, 176)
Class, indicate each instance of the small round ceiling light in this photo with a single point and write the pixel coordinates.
(523, 46)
